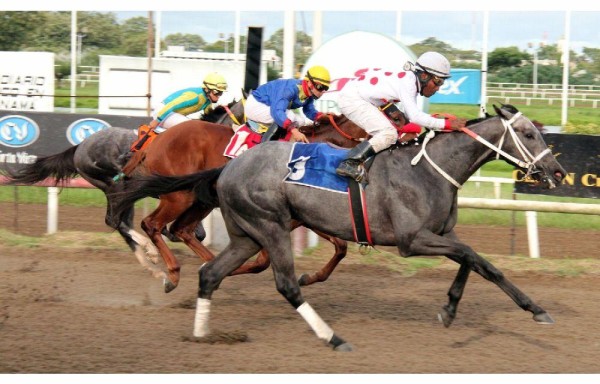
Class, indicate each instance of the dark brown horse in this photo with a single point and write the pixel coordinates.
(193, 146)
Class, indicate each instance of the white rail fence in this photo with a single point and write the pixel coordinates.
(539, 94)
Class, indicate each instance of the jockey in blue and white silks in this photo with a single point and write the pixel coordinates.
(175, 107)
(276, 100)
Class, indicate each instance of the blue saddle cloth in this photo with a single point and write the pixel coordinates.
(314, 165)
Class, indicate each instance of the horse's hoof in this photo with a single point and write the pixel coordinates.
(346, 347)
(543, 318)
(303, 280)
(169, 286)
(445, 318)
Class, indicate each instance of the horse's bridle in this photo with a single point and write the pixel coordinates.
(529, 160)
(528, 163)
(232, 116)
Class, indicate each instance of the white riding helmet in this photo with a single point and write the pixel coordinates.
(435, 64)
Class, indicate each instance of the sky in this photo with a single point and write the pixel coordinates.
(458, 22)
(460, 29)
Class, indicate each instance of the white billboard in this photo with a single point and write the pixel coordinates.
(122, 76)
(27, 81)
(345, 54)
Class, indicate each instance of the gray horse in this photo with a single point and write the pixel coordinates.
(98, 159)
(411, 199)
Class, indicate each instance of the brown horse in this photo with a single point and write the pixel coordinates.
(193, 146)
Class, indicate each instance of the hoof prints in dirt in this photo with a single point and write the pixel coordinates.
(186, 304)
(3, 315)
(220, 337)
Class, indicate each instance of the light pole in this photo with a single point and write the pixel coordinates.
(226, 37)
(535, 65)
(80, 35)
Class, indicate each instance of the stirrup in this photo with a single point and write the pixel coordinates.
(359, 173)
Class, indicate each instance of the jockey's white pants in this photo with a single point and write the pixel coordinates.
(261, 113)
(368, 117)
(171, 120)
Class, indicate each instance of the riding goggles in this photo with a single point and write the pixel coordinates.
(320, 87)
(216, 92)
(438, 81)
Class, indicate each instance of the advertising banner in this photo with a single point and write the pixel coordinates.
(26, 135)
(24, 78)
(463, 87)
(580, 156)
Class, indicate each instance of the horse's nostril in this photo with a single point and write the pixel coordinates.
(558, 175)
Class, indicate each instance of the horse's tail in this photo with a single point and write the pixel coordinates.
(139, 187)
(60, 166)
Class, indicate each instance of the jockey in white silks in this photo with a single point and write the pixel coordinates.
(359, 100)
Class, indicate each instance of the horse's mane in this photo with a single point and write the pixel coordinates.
(508, 107)
(214, 115)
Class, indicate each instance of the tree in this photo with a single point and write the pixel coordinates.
(302, 48)
(101, 30)
(18, 28)
(591, 62)
(189, 41)
(506, 58)
(432, 44)
(54, 35)
(135, 36)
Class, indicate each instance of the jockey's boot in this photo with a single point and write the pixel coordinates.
(352, 166)
(271, 134)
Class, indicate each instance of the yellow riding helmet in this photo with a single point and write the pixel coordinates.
(318, 74)
(215, 81)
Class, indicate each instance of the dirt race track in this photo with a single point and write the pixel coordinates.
(87, 306)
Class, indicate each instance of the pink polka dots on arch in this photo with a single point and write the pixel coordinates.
(374, 79)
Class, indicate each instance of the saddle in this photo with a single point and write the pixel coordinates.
(251, 134)
(145, 137)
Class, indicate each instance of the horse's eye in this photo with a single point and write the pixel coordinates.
(529, 135)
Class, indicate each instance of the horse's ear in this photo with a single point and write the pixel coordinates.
(244, 93)
(498, 111)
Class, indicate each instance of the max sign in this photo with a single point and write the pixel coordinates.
(463, 87)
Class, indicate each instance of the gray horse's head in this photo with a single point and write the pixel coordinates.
(528, 145)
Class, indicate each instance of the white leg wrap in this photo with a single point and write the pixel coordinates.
(201, 320)
(316, 323)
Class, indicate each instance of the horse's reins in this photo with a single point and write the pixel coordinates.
(344, 134)
(526, 164)
(232, 116)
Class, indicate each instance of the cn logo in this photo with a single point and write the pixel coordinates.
(18, 131)
(451, 87)
(84, 128)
